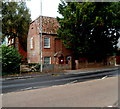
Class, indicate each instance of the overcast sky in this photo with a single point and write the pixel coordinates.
(119, 43)
(49, 8)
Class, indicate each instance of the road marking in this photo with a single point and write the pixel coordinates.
(110, 106)
(104, 77)
(72, 82)
(57, 85)
(35, 87)
(27, 88)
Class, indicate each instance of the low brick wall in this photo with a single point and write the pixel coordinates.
(83, 63)
(46, 67)
(60, 67)
(89, 65)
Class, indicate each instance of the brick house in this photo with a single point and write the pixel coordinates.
(53, 50)
(11, 41)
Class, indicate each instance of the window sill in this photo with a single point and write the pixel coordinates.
(46, 47)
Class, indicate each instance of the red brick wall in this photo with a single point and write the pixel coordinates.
(33, 55)
(18, 46)
(22, 52)
(58, 45)
(48, 51)
(117, 59)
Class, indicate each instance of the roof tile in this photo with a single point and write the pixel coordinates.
(50, 25)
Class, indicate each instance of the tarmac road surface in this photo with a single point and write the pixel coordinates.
(53, 80)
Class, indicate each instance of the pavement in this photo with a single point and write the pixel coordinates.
(65, 72)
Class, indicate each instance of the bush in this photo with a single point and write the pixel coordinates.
(11, 60)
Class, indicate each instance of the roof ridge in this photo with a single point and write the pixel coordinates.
(43, 16)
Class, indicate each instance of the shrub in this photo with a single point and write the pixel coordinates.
(11, 60)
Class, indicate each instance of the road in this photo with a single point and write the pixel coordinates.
(94, 93)
(53, 80)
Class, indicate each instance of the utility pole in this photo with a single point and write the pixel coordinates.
(41, 36)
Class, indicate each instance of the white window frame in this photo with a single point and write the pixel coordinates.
(49, 59)
(31, 43)
(8, 42)
(47, 40)
(12, 40)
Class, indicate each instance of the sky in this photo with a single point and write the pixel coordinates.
(118, 43)
(49, 8)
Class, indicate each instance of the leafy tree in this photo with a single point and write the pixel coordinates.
(90, 29)
(11, 60)
(15, 21)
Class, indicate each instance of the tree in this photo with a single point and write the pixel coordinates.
(90, 29)
(15, 21)
(11, 60)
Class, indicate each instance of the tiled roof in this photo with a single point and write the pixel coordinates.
(50, 25)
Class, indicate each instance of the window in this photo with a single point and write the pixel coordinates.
(46, 42)
(31, 43)
(12, 40)
(8, 42)
(68, 58)
(47, 60)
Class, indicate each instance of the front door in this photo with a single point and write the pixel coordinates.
(61, 60)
